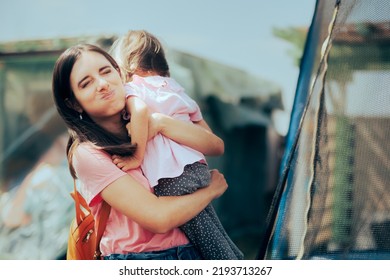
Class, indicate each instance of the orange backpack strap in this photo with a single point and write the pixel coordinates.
(101, 220)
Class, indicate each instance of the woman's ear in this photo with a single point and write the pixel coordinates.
(73, 105)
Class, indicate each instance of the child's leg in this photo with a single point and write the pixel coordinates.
(205, 230)
(213, 215)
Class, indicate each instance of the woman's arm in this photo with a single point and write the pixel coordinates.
(194, 135)
(160, 214)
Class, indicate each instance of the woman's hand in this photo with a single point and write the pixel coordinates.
(218, 183)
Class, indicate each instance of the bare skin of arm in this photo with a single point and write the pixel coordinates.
(138, 126)
(160, 214)
(197, 136)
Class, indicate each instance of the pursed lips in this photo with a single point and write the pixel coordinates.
(108, 95)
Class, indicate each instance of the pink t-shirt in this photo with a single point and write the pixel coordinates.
(164, 158)
(95, 171)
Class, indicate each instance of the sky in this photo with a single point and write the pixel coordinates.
(237, 33)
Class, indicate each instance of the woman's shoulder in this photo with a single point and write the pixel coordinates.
(90, 151)
(89, 159)
(88, 155)
(93, 166)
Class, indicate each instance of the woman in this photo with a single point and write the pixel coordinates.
(90, 97)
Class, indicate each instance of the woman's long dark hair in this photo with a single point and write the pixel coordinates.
(85, 129)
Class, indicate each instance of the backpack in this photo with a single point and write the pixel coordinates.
(85, 233)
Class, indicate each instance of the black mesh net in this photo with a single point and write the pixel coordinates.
(333, 199)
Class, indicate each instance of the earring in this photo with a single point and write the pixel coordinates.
(81, 116)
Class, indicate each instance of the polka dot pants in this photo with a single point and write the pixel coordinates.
(205, 231)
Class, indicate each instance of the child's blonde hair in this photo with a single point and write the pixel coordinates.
(139, 50)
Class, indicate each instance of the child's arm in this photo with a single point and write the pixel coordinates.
(138, 131)
(197, 136)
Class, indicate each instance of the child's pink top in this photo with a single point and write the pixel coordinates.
(164, 158)
(95, 171)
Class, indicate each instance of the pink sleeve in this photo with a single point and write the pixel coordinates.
(95, 170)
(132, 90)
(195, 113)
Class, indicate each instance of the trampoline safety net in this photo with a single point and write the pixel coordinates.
(333, 199)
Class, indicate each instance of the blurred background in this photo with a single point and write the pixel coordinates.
(239, 59)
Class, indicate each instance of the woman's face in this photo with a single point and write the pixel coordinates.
(97, 86)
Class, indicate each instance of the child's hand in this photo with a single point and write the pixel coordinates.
(125, 163)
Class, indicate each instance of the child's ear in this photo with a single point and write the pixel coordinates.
(73, 105)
